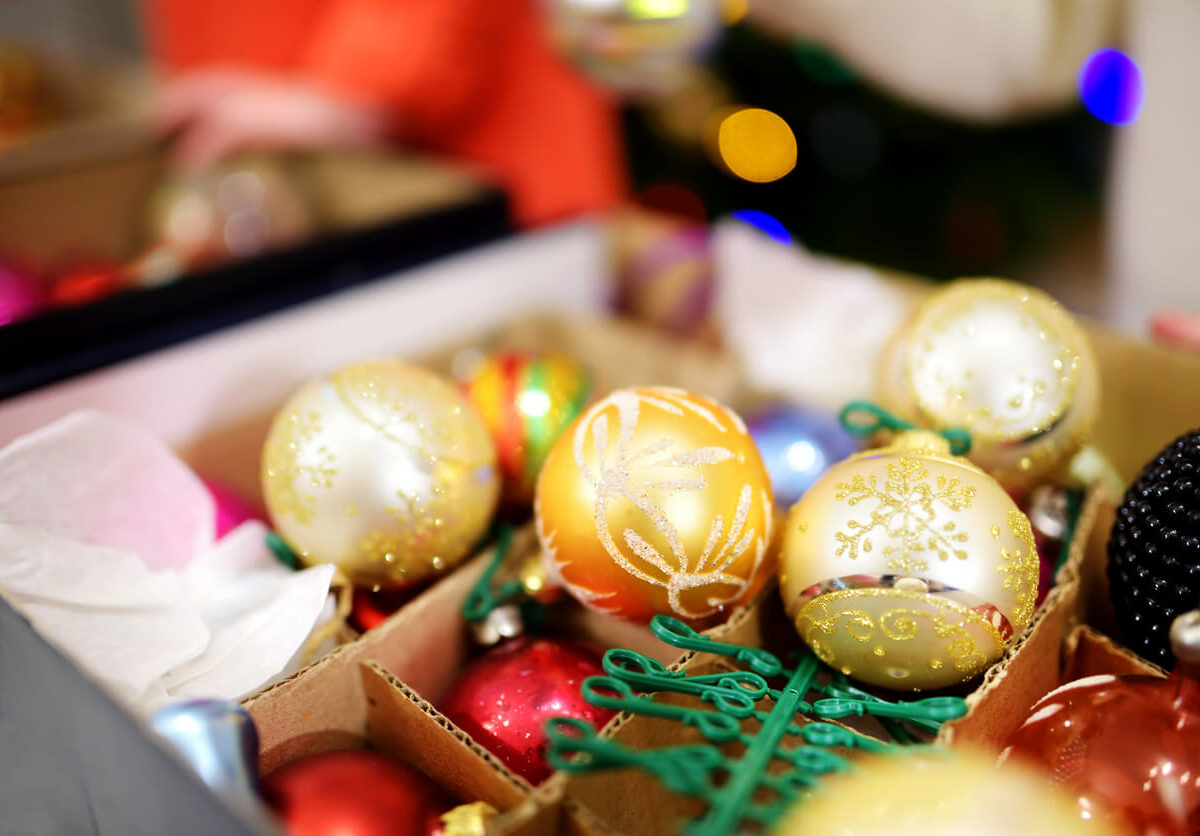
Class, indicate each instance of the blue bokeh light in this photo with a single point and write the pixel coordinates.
(764, 223)
(1110, 84)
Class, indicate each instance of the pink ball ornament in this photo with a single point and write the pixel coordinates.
(232, 510)
(21, 296)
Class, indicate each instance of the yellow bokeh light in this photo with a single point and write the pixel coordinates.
(658, 9)
(757, 145)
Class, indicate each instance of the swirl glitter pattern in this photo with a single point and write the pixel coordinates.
(817, 623)
(621, 472)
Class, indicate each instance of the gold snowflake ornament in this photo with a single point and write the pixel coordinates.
(907, 567)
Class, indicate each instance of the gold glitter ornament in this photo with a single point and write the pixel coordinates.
(940, 793)
(383, 469)
(656, 501)
(1004, 362)
(908, 567)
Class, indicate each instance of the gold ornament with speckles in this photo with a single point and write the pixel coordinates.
(1005, 362)
(382, 469)
(656, 501)
(907, 567)
(936, 792)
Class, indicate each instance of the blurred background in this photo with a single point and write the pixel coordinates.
(1043, 140)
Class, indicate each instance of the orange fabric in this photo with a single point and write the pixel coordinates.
(473, 79)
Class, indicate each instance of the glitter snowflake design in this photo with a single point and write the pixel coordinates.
(637, 476)
(1020, 566)
(908, 509)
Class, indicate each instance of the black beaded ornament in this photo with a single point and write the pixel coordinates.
(1154, 549)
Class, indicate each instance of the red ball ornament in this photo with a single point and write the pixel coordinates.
(86, 282)
(354, 793)
(505, 697)
(371, 607)
(1126, 746)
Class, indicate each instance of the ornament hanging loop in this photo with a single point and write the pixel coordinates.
(864, 419)
(483, 597)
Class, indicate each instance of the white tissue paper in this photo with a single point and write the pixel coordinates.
(107, 546)
(809, 328)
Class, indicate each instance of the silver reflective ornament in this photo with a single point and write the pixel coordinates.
(217, 738)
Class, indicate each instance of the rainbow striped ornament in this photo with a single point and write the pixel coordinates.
(526, 399)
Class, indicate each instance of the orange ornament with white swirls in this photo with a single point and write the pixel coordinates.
(656, 501)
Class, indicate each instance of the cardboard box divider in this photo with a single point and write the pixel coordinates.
(406, 665)
(1089, 652)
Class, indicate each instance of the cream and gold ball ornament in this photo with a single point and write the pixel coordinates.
(1005, 362)
(908, 567)
(939, 793)
(655, 500)
(383, 469)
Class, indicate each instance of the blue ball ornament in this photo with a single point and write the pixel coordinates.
(798, 445)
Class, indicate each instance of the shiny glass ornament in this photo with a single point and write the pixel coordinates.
(666, 277)
(504, 698)
(1126, 746)
(84, 281)
(371, 608)
(1053, 511)
(634, 47)
(1154, 549)
(798, 445)
(526, 399)
(21, 295)
(382, 468)
(656, 501)
(218, 740)
(939, 793)
(1005, 362)
(354, 793)
(239, 208)
(908, 567)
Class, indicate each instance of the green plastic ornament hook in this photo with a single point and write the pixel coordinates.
(482, 600)
(795, 733)
(864, 419)
(678, 634)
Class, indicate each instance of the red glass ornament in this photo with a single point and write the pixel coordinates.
(354, 793)
(371, 608)
(86, 282)
(505, 697)
(1128, 746)
(20, 294)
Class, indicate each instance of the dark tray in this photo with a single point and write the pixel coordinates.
(65, 342)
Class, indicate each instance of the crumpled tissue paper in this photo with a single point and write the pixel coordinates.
(809, 328)
(108, 545)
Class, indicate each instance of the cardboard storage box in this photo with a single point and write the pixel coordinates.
(212, 399)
